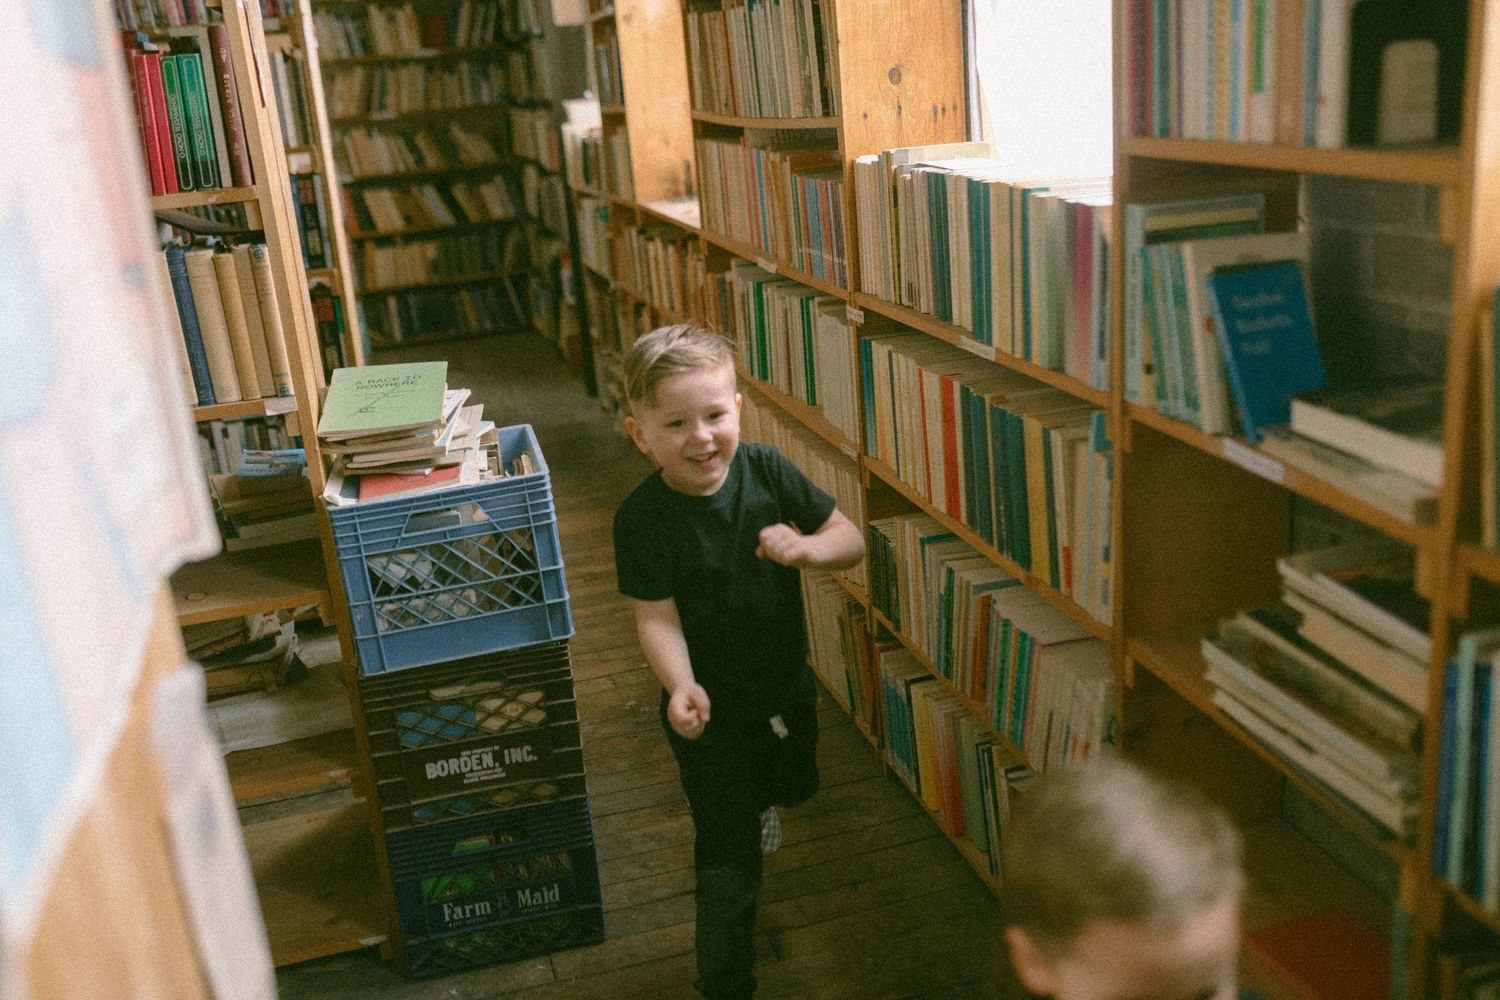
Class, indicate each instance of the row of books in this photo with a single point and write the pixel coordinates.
(1020, 263)
(233, 347)
(583, 148)
(399, 30)
(1041, 679)
(838, 644)
(382, 210)
(527, 77)
(462, 254)
(607, 68)
(365, 153)
(593, 234)
(1333, 678)
(1219, 333)
(225, 447)
(545, 197)
(949, 759)
(1466, 846)
(792, 338)
(785, 200)
(187, 108)
(763, 59)
(134, 14)
(366, 91)
(619, 179)
(1293, 72)
(535, 136)
(259, 510)
(829, 469)
(496, 307)
(311, 211)
(289, 77)
(1027, 467)
(663, 265)
(330, 320)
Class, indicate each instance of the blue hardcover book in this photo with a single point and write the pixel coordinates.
(1473, 873)
(187, 312)
(1265, 330)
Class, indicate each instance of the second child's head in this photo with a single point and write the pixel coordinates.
(684, 410)
(1119, 885)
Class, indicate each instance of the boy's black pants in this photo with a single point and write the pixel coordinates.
(731, 774)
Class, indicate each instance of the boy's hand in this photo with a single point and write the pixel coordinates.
(687, 710)
(781, 543)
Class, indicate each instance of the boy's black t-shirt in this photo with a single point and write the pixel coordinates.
(741, 615)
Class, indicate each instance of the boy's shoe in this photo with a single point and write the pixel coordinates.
(770, 831)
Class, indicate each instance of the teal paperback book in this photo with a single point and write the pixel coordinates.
(1265, 329)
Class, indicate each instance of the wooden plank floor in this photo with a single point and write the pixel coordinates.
(866, 899)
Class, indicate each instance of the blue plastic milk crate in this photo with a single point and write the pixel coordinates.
(457, 572)
(496, 887)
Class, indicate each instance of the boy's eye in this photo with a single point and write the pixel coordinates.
(674, 423)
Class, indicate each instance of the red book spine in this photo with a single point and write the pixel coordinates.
(145, 115)
(152, 77)
(229, 104)
(951, 432)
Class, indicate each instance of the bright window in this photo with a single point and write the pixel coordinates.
(1042, 72)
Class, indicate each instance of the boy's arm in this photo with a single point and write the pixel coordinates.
(838, 544)
(659, 630)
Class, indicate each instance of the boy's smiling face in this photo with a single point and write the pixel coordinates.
(691, 430)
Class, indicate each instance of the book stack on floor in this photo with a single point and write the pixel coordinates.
(1333, 680)
(461, 621)
(251, 653)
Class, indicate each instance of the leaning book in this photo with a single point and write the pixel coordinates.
(1397, 427)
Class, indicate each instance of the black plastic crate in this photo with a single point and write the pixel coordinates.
(538, 936)
(475, 736)
(533, 870)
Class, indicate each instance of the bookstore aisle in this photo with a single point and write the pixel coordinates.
(866, 899)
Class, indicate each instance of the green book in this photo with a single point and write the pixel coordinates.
(182, 149)
(200, 126)
(378, 399)
(199, 119)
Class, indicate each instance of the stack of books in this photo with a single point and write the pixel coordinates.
(1333, 679)
(398, 430)
(251, 653)
(257, 510)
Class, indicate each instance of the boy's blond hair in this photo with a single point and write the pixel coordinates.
(1108, 840)
(671, 350)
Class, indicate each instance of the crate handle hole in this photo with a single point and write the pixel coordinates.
(443, 520)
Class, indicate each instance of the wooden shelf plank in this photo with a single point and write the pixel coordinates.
(686, 213)
(616, 110)
(808, 416)
(422, 56)
(1439, 165)
(1480, 562)
(384, 234)
(422, 115)
(445, 338)
(959, 337)
(1179, 664)
(267, 407)
(255, 580)
(1471, 906)
(743, 121)
(441, 282)
(194, 199)
(782, 268)
(1056, 598)
(287, 770)
(1248, 456)
(317, 880)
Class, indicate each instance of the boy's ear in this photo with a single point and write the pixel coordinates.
(1031, 964)
(636, 434)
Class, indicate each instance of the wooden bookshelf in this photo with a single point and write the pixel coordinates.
(211, 196)
(308, 766)
(432, 173)
(1197, 520)
(250, 582)
(805, 414)
(441, 282)
(266, 407)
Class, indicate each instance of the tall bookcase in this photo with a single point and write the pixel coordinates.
(1197, 522)
(296, 36)
(420, 107)
(315, 859)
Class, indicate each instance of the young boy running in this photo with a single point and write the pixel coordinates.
(709, 549)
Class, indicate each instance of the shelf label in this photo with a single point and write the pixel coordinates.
(1251, 460)
(856, 315)
(765, 265)
(985, 351)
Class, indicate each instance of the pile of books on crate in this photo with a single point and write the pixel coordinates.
(461, 622)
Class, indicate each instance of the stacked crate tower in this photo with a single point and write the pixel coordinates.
(461, 619)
